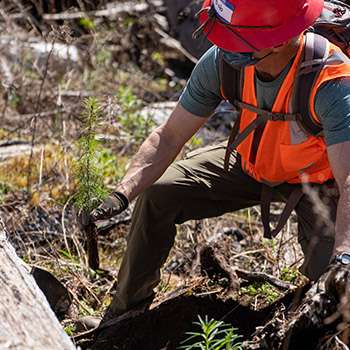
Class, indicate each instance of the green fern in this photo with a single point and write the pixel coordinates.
(91, 190)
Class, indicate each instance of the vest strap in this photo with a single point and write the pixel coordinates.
(235, 138)
(234, 141)
(271, 116)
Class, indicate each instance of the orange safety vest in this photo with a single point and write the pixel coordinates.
(285, 153)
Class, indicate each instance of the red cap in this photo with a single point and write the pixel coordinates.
(257, 24)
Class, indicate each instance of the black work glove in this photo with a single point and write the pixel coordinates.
(113, 205)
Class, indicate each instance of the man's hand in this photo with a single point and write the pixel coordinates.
(338, 269)
(113, 205)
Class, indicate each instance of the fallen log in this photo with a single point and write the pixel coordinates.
(112, 12)
(27, 321)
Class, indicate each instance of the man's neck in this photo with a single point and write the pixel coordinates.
(270, 68)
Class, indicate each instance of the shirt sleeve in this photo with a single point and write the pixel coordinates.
(202, 93)
(332, 107)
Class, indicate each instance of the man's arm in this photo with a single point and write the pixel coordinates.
(201, 96)
(159, 151)
(338, 155)
(332, 107)
(198, 101)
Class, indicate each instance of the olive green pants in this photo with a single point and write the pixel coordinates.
(197, 188)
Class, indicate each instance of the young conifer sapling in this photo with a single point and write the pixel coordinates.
(91, 190)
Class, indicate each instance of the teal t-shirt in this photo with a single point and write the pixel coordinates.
(202, 95)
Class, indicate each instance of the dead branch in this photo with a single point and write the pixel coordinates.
(120, 8)
(263, 277)
(175, 44)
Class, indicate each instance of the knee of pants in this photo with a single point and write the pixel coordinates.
(159, 195)
(172, 193)
(161, 203)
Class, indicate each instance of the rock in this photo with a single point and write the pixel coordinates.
(181, 17)
(56, 294)
(86, 323)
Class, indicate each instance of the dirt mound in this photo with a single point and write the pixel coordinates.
(164, 327)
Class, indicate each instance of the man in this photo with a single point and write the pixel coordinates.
(266, 37)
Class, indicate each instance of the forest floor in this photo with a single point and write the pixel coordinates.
(129, 62)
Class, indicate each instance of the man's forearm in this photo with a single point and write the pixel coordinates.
(339, 158)
(159, 151)
(342, 237)
(150, 162)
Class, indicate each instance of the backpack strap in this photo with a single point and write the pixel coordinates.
(266, 197)
(314, 55)
(231, 81)
(236, 138)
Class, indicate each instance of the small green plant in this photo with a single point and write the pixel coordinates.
(91, 190)
(15, 99)
(265, 290)
(5, 187)
(164, 287)
(158, 57)
(271, 242)
(290, 275)
(136, 126)
(214, 335)
(113, 167)
(195, 141)
(70, 328)
(87, 23)
(85, 309)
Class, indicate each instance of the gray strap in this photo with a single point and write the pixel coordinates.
(234, 141)
(271, 116)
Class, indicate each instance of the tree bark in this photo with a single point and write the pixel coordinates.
(27, 321)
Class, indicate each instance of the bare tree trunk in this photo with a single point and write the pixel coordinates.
(27, 321)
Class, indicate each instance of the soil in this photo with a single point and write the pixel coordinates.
(165, 326)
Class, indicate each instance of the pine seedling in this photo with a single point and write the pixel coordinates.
(91, 190)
